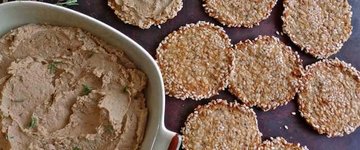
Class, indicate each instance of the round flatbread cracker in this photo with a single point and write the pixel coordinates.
(144, 14)
(237, 13)
(221, 125)
(330, 97)
(266, 73)
(319, 27)
(280, 143)
(195, 61)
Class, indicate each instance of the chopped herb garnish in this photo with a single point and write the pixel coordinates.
(19, 100)
(109, 128)
(76, 148)
(91, 54)
(126, 89)
(53, 66)
(33, 122)
(67, 3)
(2, 116)
(7, 137)
(86, 90)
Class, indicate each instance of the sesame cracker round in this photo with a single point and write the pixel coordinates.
(319, 27)
(144, 14)
(266, 73)
(329, 99)
(221, 125)
(280, 143)
(195, 61)
(237, 13)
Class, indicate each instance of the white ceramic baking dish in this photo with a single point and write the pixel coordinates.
(18, 13)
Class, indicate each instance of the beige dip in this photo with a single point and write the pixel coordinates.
(62, 88)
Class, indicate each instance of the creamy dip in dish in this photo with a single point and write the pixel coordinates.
(62, 88)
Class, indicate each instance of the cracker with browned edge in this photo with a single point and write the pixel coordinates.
(238, 13)
(144, 14)
(330, 97)
(319, 27)
(195, 61)
(280, 143)
(221, 125)
(266, 73)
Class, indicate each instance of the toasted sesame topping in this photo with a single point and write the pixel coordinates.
(280, 143)
(320, 27)
(237, 13)
(329, 100)
(266, 73)
(195, 61)
(221, 125)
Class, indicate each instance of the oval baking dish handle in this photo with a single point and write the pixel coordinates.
(167, 140)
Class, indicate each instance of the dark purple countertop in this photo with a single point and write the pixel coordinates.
(271, 123)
